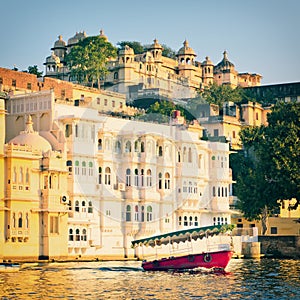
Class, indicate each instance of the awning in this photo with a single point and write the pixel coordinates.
(181, 236)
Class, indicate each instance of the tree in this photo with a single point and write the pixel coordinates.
(219, 94)
(137, 47)
(87, 60)
(269, 170)
(168, 52)
(34, 70)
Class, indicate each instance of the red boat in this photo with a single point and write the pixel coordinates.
(211, 259)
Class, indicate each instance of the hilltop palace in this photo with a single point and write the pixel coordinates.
(78, 182)
(152, 75)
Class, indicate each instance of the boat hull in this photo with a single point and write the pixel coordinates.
(209, 260)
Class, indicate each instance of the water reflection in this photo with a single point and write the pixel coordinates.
(243, 279)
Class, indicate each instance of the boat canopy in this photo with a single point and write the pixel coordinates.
(180, 236)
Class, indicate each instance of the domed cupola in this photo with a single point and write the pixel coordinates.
(224, 64)
(60, 43)
(126, 55)
(31, 138)
(186, 54)
(207, 70)
(156, 49)
(60, 48)
(102, 35)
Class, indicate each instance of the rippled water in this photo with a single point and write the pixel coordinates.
(244, 279)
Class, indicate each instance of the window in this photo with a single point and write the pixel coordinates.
(53, 224)
(76, 130)
(100, 144)
(68, 130)
(83, 170)
(128, 213)
(159, 181)
(14, 83)
(90, 208)
(179, 220)
(233, 134)
(77, 206)
(20, 220)
(160, 151)
(71, 236)
(142, 147)
(128, 177)
(149, 178)
(273, 230)
(190, 155)
(191, 221)
(1, 80)
(91, 170)
(185, 223)
(69, 165)
(128, 147)
(121, 105)
(196, 221)
(118, 147)
(149, 213)
(143, 213)
(77, 236)
(136, 213)
(167, 181)
(136, 177)
(113, 103)
(107, 176)
(105, 102)
(84, 236)
(142, 177)
(27, 221)
(83, 208)
(98, 100)
(100, 175)
(28, 86)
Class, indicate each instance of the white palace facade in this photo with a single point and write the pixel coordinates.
(122, 179)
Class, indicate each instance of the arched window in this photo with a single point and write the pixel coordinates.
(91, 169)
(69, 165)
(191, 221)
(178, 156)
(214, 220)
(100, 144)
(190, 155)
(136, 146)
(76, 167)
(184, 154)
(84, 237)
(142, 177)
(149, 213)
(27, 176)
(21, 176)
(128, 177)
(214, 191)
(116, 75)
(90, 208)
(76, 130)
(196, 221)
(143, 213)
(100, 175)
(219, 192)
(128, 213)
(77, 235)
(83, 170)
(77, 205)
(222, 191)
(142, 147)
(128, 147)
(118, 147)
(190, 187)
(20, 220)
(179, 220)
(107, 176)
(71, 236)
(160, 151)
(83, 208)
(159, 181)
(136, 177)
(149, 178)
(167, 181)
(15, 175)
(185, 221)
(136, 213)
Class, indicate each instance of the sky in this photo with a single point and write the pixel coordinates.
(260, 36)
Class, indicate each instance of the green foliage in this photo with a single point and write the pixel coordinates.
(219, 94)
(137, 47)
(269, 168)
(168, 52)
(87, 60)
(34, 70)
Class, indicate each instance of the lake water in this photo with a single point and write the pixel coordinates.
(243, 279)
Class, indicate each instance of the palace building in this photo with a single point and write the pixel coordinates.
(79, 182)
(151, 75)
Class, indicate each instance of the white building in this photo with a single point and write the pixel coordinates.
(128, 179)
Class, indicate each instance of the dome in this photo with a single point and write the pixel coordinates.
(207, 62)
(102, 35)
(156, 45)
(224, 63)
(126, 51)
(60, 43)
(186, 50)
(76, 38)
(31, 138)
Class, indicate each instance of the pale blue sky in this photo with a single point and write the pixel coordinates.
(260, 36)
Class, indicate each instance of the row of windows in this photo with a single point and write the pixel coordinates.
(18, 106)
(19, 175)
(220, 191)
(138, 213)
(83, 207)
(19, 220)
(77, 234)
(113, 103)
(188, 221)
(219, 221)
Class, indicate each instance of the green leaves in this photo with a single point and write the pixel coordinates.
(269, 168)
(87, 60)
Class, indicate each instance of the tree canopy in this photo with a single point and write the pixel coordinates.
(269, 170)
(87, 60)
(137, 47)
(34, 70)
(219, 94)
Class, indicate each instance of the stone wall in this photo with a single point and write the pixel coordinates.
(280, 246)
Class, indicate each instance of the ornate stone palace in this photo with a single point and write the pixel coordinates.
(152, 75)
